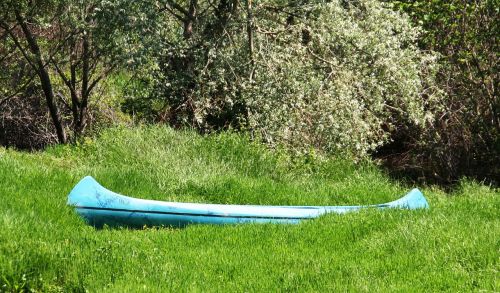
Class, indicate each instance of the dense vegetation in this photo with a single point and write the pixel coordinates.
(410, 82)
(330, 76)
(464, 139)
(45, 246)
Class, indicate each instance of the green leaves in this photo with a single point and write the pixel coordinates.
(342, 91)
(464, 137)
(324, 75)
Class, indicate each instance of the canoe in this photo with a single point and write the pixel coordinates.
(99, 207)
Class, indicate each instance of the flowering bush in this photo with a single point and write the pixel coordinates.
(336, 76)
(340, 79)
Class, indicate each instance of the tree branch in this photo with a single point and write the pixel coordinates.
(21, 88)
(176, 6)
(63, 99)
(320, 58)
(17, 43)
(99, 78)
(61, 74)
(69, 84)
(180, 18)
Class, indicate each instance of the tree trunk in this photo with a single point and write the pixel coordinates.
(250, 37)
(44, 79)
(82, 115)
(189, 19)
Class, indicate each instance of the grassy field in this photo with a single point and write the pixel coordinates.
(45, 246)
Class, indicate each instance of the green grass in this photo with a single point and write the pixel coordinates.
(45, 246)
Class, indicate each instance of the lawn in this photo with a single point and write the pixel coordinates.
(45, 246)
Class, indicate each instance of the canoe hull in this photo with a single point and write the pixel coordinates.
(99, 218)
(99, 207)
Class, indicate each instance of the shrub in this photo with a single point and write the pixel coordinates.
(356, 77)
(464, 138)
(336, 76)
(25, 124)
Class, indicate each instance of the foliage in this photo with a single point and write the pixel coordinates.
(24, 123)
(341, 77)
(464, 138)
(67, 49)
(333, 76)
(45, 246)
(356, 79)
(184, 85)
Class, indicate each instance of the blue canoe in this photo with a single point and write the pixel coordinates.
(99, 207)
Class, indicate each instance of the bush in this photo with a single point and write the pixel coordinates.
(464, 137)
(25, 124)
(344, 89)
(338, 76)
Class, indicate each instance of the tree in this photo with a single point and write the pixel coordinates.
(337, 76)
(15, 25)
(72, 46)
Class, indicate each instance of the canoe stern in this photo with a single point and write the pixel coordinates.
(412, 200)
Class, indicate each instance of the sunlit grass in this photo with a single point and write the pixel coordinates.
(45, 246)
